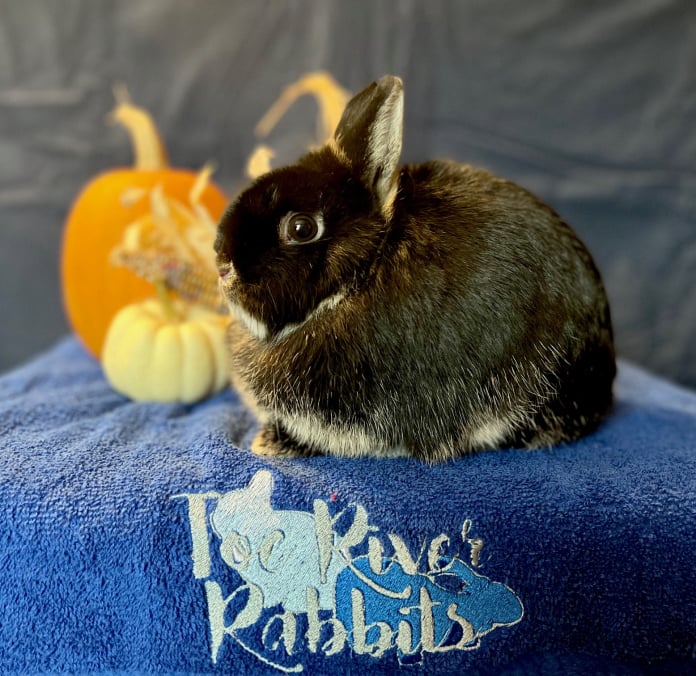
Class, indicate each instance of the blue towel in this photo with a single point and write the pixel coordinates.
(137, 537)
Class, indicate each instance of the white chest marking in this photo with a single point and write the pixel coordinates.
(253, 325)
(259, 330)
(327, 304)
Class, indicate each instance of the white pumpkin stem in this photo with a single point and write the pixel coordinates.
(167, 305)
(148, 147)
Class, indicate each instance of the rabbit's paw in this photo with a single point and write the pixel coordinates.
(273, 440)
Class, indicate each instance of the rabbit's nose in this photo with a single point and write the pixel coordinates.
(225, 270)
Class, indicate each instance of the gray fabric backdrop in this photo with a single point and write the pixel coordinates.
(592, 105)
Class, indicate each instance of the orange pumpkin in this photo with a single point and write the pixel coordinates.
(93, 288)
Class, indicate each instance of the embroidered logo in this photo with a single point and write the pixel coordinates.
(282, 582)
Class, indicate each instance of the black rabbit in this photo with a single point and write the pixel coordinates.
(427, 310)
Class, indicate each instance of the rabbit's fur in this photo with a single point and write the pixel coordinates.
(443, 310)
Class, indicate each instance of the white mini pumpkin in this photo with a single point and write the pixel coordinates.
(167, 352)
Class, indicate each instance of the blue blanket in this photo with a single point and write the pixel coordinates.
(137, 537)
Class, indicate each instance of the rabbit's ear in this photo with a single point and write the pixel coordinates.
(369, 136)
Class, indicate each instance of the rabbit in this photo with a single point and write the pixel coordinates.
(427, 310)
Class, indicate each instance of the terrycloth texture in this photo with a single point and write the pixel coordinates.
(578, 559)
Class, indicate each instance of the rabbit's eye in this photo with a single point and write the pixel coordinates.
(302, 228)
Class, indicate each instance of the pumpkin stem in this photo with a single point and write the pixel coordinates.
(163, 296)
(148, 148)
